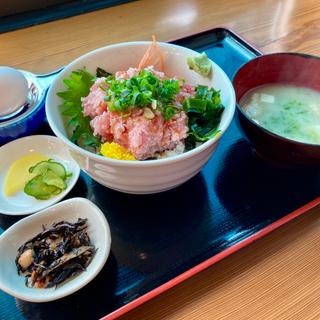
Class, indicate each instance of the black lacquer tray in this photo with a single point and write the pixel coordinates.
(160, 240)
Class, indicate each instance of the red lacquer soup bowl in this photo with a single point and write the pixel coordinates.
(285, 68)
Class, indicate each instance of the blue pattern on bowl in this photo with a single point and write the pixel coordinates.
(24, 126)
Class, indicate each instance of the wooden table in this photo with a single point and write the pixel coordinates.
(278, 276)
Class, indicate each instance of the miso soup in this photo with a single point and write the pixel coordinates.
(289, 111)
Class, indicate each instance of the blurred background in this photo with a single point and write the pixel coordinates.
(16, 14)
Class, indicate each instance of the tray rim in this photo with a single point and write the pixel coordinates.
(227, 252)
(243, 40)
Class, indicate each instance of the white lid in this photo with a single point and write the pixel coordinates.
(14, 90)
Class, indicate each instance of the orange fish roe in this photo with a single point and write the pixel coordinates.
(115, 151)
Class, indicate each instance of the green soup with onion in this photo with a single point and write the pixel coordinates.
(289, 111)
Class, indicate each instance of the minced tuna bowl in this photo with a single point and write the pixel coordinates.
(139, 113)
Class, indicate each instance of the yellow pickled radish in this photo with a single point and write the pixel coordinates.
(115, 151)
(18, 174)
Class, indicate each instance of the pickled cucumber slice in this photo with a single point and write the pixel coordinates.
(52, 179)
(38, 189)
(43, 166)
(49, 180)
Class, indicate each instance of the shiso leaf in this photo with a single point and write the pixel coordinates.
(78, 85)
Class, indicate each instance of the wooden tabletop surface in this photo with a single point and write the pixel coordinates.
(278, 276)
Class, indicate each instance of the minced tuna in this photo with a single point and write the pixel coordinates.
(143, 132)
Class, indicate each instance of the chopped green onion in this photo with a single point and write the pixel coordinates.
(140, 91)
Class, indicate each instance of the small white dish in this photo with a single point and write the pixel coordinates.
(21, 203)
(68, 210)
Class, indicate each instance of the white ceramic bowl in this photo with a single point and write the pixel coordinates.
(27, 228)
(142, 177)
(52, 147)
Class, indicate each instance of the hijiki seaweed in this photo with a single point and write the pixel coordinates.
(57, 253)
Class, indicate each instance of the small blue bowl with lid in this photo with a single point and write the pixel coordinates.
(22, 109)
